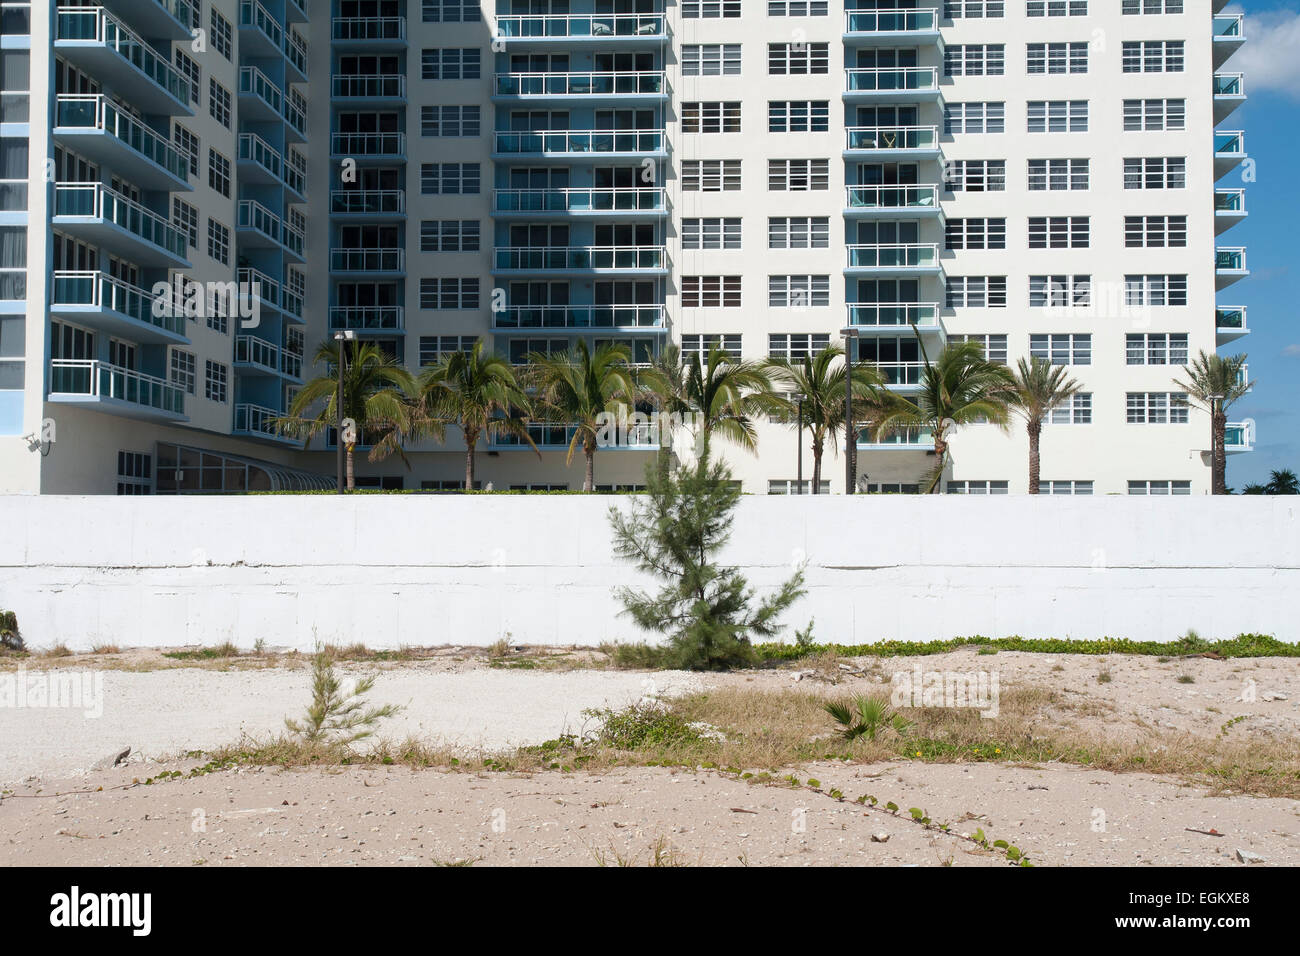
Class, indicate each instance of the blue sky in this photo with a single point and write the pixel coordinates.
(1270, 60)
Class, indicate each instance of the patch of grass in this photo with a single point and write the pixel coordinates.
(639, 656)
(58, 650)
(1104, 676)
(1186, 679)
(106, 649)
(219, 652)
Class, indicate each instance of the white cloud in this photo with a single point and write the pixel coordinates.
(1269, 56)
(1292, 350)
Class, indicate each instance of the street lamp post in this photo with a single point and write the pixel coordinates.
(342, 338)
(799, 397)
(850, 334)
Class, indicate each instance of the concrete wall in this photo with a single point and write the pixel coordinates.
(422, 570)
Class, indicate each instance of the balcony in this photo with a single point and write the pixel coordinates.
(579, 201)
(106, 304)
(295, 56)
(581, 260)
(369, 33)
(899, 202)
(94, 41)
(1229, 323)
(605, 31)
(866, 28)
(295, 174)
(571, 146)
(895, 317)
(368, 318)
(1229, 152)
(913, 84)
(1239, 437)
(165, 19)
(97, 214)
(291, 304)
(605, 318)
(580, 87)
(1243, 377)
(259, 161)
(918, 258)
(1229, 93)
(258, 421)
(1229, 265)
(556, 436)
(916, 439)
(373, 203)
(258, 227)
(1229, 35)
(97, 385)
(369, 147)
(374, 88)
(366, 261)
(254, 284)
(1229, 208)
(295, 117)
(891, 142)
(254, 356)
(94, 127)
(261, 99)
(260, 34)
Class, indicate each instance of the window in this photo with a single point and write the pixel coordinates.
(188, 144)
(1057, 58)
(1056, 8)
(1076, 410)
(214, 381)
(977, 488)
(218, 172)
(1058, 174)
(711, 117)
(710, 292)
(796, 346)
(711, 233)
(1155, 290)
(1159, 487)
(1058, 116)
(974, 118)
(711, 59)
(133, 473)
(710, 9)
(798, 232)
(449, 294)
(789, 486)
(1155, 348)
(449, 235)
(1058, 232)
(1059, 291)
(1155, 114)
(798, 175)
(976, 234)
(1152, 56)
(434, 347)
(797, 8)
(994, 346)
(186, 218)
(798, 116)
(451, 63)
(975, 175)
(795, 292)
(449, 179)
(977, 292)
(1151, 232)
(1156, 408)
(190, 70)
(450, 121)
(974, 59)
(217, 317)
(219, 102)
(710, 175)
(1059, 487)
(1155, 172)
(1138, 7)
(218, 242)
(183, 370)
(791, 59)
(450, 11)
(974, 9)
(702, 345)
(222, 35)
(1062, 348)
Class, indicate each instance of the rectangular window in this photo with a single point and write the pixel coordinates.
(449, 294)
(795, 292)
(789, 486)
(1056, 8)
(450, 11)
(702, 345)
(976, 234)
(134, 470)
(214, 381)
(977, 488)
(1076, 410)
(710, 175)
(1155, 172)
(712, 233)
(1058, 174)
(994, 346)
(711, 292)
(183, 371)
(186, 218)
(1055, 59)
(1062, 348)
(974, 59)
(188, 144)
(1058, 232)
(218, 172)
(711, 59)
(190, 70)
(449, 235)
(797, 59)
(1152, 232)
(1058, 116)
(222, 35)
(975, 175)
(797, 8)
(1066, 487)
(974, 9)
(449, 179)
(977, 292)
(218, 242)
(1155, 348)
(798, 175)
(712, 116)
(434, 347)
(1156, 408)
(710, 9)
(1155, 290)
(450, 63)
(796, 346)
(974, 118)
(1152, 56)
(219, 102)
(798, 116)
(1059, 291)
(450, 121)
(798, 232)
(1159, 487)
(1154, 115)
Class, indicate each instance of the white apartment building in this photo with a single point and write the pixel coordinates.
(1048, 177)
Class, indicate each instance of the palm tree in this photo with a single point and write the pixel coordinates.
(820, 379)
(958, 388)
(1040, 388)
(477, 392)
(377, 393)
(582, 388)
(1255, 488)
(1215, 382)
(1283, 482)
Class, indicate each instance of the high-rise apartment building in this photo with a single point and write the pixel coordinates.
(1045, 177)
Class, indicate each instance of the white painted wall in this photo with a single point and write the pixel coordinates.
(428, 570)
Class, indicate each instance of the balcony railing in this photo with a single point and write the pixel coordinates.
(97, 379)
(579, 84)
(890, 21)
(250, 350)
(368, 260)
(256, 418)
(291, 302)
(370, 202)
(579, 257)
(295, 114)
(253, 82)
(97, 201)
(892, 137)
(894, 256)
(178, 9)
(253, 282)
(901, 373)
(253, 14)
(295, 50)
(96, 111)
(1230, 144)
(917, 437)
(581, 141)
(369, 28)
(557, 435)
(374, 86)
(581, 25)
(894, 315)
(295, 172)
(579, 317)
(1229, 84)
(578, 200)
(1230, 200)
(102, 291)
(368, 318)
(95, 24)
(920, 78)
(1231, 259)
(368, 144)
(253, 147)
(253, 215)
(1230, 317)
(893, 197)
(1239, 435)
(1228, 25)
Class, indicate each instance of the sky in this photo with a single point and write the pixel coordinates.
(1270, 117)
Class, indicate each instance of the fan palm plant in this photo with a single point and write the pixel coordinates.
(478, 392)
(1214, 382)
(581, 387)
(960, 387)
(1283, 482)
(1040, 388)
(377, 396)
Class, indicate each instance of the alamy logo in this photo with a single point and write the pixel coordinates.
(920, 688)
(54, 690)
(74, 909)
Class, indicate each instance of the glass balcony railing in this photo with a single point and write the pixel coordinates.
(99, 290)
(1228, 25)
(253, 215)
(581, 25)
(579, 84)
(368, 144)
(892, 137)
(92, 378)
(95, 111)
(890, 21)
(529, 317)
(894, 315)
(368, 260)
(253, 15)
(1238, 435)
(1230, 259)
(557, 435)
(579, 257)
(295, 113)
(295, 50)
(291, 302)
(257, 419)
(580, 141)
(295, 172)
(900, 373)
(374, 86)
(371, 202)
(917, 437)
(893, 197)
(97, 201)
(918, 78)
(253, 82)
(250, 350)
(1229, 84)
(1230, 200)
(255, 149)
(179, 10)
(347, 29)
(1230, 317)
(97, 25)
(894, 256)
(578, 200)
(1230, 144)
(368, 318)
(257, 284)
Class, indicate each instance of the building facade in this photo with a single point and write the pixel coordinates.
(198, 194)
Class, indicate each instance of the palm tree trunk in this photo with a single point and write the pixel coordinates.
(589, 452)
(1035, 429)
(471, 445)
(351, 481)
(1219, 424)
(940, 454)
(816, 486)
